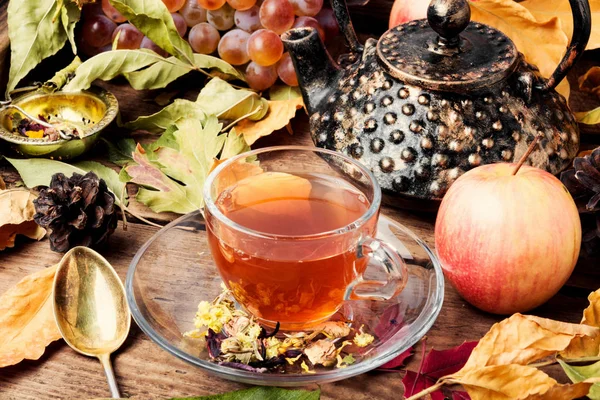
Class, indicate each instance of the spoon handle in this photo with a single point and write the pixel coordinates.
(110, 375)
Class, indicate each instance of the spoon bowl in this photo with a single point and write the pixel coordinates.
(90, 307)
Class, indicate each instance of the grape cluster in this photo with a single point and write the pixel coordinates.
(244, 33)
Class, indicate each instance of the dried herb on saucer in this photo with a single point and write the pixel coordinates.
(235, 339)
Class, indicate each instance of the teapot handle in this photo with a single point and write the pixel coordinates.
(582, 25)
(342, 16)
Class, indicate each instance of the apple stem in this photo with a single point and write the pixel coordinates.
(527, 153)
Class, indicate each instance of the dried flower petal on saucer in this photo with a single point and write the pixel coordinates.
(321, 352)
(235, 339)
(362, 339)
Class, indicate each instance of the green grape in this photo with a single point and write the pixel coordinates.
(286, 71)
(97, 30)
(277, 15)
(211, 4)
(204, 38)
(265, 47)
(129, 37)
(307, 8)
(233, 47)
(259, 77)
(304, 22)
(248, 20)
(179, 24)
(192, 13)
(222, 19)
(241, 4)
(173, 5)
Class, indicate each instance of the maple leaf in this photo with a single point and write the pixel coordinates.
(16, 217)
(26, 319)
(397, 362)
(279, 115)
(434, 366)
(172, 170)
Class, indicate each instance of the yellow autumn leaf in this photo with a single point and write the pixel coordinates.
(543, 43)
(583, 347)
(546, 9)
(279, 115)
(591, 315)
(16, 217)
(26, 318)
(515, 382)
(522, 339)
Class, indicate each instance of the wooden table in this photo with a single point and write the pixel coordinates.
(144, 371)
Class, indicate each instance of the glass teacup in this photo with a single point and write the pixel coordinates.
(291, 230)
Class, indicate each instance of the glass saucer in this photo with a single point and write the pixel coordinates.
(174, 271)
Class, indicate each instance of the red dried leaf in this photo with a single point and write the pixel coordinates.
(397, 362)
(415, 383)
(436, 365)
(390, 321)
(446, 362)
(460, 396)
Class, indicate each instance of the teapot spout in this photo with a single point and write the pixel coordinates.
(317, 72)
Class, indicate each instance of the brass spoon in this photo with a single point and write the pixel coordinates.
(90, 307)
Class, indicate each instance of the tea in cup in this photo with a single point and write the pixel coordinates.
(293, 234)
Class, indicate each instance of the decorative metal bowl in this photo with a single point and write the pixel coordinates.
(92, 110)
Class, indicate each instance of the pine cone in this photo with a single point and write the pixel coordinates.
(79, 211)
(583, 182)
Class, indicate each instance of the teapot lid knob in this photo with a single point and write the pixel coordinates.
(449, 18)
(447, 51)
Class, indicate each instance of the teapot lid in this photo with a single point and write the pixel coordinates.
(446, 51)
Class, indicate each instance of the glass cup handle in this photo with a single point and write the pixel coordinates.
(390, 261)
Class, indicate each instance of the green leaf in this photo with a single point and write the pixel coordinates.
(154, 20)
(204, 61)
(282, 93)
(39, 171)
(172, 171)
(168, 116)
(261, 393)
(158, 75)
(109, 64)
(162, 73)
(221, 99)
(120, 153)
(234, 145)
(589, 117)
(69, 15)
(61, 77)
(34, 34)
(580, 374)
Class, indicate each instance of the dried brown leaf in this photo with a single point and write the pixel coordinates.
(2, 184)
(590, 81)
(591, 315)
(513, 381)
(522, 339)
(543, 42)
(16, 217)
(547, 9)
(279, 115)
(26, 318)
(333, 329)
(586, 346)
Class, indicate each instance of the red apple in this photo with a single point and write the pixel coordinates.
(407, 10)
(506, 242)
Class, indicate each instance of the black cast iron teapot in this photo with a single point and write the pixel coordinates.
(434, 98)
